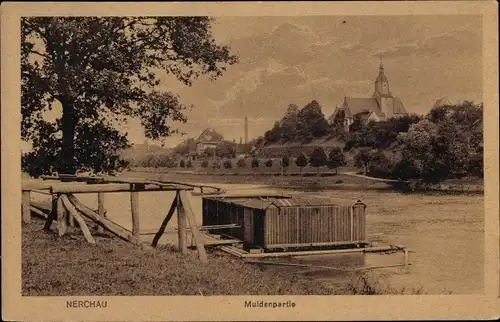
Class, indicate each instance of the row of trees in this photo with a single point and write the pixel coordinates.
(446, 143)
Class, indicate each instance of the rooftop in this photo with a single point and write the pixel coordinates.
(264, 202)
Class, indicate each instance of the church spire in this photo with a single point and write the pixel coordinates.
(382, 83)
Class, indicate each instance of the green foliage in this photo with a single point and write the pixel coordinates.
(285, 161)
(185, 147)
(228, 164)
(378, 135)
(241, 163)
(208, 153)
(311, 122)
(226, 149)
(318, 158)
(447, 144)
(255, 163)
(301, 161)
(156, 161)
(362, 157)
(269, 163)
(299, 125)
(336, 159)
(100, 70)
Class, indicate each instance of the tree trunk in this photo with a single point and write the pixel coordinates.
(68, 139)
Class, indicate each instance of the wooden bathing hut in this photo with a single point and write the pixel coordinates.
(284, 223)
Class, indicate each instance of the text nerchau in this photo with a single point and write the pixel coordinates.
(86, 304)
(269, 304)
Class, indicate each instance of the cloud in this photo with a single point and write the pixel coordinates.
(449, 43)
(395, 51)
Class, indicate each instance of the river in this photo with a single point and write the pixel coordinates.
(444, 233)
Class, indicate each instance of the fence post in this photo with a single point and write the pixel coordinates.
(181, 225)
(100, 209)
(26, 207)
(134, 205)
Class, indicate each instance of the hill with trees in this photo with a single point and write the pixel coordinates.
(445, 143)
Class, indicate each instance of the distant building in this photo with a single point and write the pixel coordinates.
(443, 101)
(208, 139)
(380, 107)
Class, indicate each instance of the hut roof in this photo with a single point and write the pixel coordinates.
(282, 202)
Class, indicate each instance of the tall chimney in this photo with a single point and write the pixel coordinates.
(246, 134)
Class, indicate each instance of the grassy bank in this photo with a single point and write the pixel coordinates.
(68, 266)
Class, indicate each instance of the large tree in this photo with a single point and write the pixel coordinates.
(102, 71)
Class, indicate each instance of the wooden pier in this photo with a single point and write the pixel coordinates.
(68, 211)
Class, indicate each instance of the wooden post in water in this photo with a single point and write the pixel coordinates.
(134, 205)
(100, 209)
(181, 225)
(26, 207)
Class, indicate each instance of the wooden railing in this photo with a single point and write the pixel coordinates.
(65, 208)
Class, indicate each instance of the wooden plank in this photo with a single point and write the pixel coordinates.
(351, 214)
(108, 187)
(52, 214)
(339, 243)
(62, 215)
(41, 205)
(161, 231)
(181, 226)
(106, 223)
(26, 208)
(134, 205)
(100, 209)
(325, 252)
(83, 226)
(186, 205)
(39, 212)
(35, 185)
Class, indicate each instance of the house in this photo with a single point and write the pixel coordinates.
(209, 138)
(443, 101)
(381, 106)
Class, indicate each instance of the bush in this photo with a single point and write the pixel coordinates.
(269, 163)
(204, 164)
(255, 163)
(228, 164)
(182, 164)
(216, 165)
(189, 164)
(241, 163)
(379, 165)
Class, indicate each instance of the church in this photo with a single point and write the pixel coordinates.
(380, 107)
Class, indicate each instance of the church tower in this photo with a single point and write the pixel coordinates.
(381, 83)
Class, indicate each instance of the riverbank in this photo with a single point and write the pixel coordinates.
(346, 179)
(68, 266)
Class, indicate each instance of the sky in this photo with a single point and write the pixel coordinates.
(294, 60)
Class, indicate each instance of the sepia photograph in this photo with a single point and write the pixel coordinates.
(251, 155)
